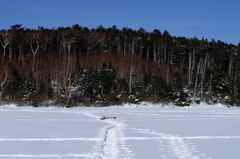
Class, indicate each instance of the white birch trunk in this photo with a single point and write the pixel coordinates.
(130, 79)
(1, 102)
(189, 69)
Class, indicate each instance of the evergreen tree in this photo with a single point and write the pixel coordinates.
(159, 86)
(180, 95)
(89, 82)
(106, 78)
(29, 88)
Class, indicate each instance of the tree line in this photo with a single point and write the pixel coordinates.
(103, 66)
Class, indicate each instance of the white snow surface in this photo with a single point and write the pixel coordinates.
(146, 131)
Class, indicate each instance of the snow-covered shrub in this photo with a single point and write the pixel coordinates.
(135, 98)
(181, 99)
(100, 101)
(228, 100)
(28, 87)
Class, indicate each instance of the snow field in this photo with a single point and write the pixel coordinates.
(201, 132)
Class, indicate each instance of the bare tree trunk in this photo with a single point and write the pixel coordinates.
(210, 84)
(125, 47)
(165, 52)
(5, 79)
(10, 51)
(154, 52)
(20, 55)
(4, 52)
(159, 54)
(167, 73)
(34, 51)
(119, 46)
(235, 88)
(168, 67)
(203, 71)
(189, 70)
(69, 85)
(133, 47)
(141, 52)
(68, 63)
(69, 48)
(211, 76)
(195, 94)
(130, 79)
(6, 40)
(1, 101)
(230, 64)
(147, 52)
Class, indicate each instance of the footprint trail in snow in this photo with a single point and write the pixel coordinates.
(112, 145)
(172, 147)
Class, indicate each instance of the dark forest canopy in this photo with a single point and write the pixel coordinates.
(102, 66)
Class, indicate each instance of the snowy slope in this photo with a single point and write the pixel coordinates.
(139, 132)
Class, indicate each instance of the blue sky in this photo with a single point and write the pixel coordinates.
(211, 19)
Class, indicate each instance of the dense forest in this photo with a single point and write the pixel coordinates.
(69, 66)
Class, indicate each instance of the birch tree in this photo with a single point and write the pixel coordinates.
(47, 36)
(33, 39)
(133, 79)
(6, 38)
(70, 83)
(68, 38)
(5, 79)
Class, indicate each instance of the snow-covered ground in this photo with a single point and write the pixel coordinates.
(139, 132)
